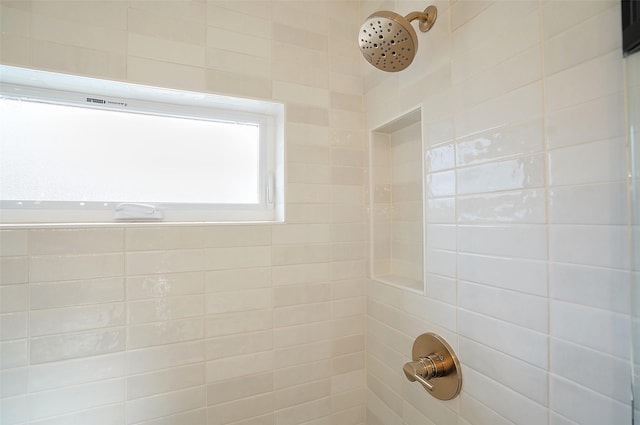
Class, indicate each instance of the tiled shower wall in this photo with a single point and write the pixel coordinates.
(526, 221)
(527, 225)
(195, 325)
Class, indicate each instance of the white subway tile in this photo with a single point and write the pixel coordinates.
(13, 354)
(347, 288)
(584, 406)
(163, 309)
(70, 267)
(440, 262)
(607, 375)
(509, 273)
(598, 287)
(515, 374)
(604, 203)
(302, 393)
(170, 27)
(508, 403)
(165, 356)
(605, 116)
(522, 206)
(478, 413)
(77, 371)
(599, 162)
(304, 294)
(190, 12)
(164, 238)
(238, 64)
(505, 241)
(521, 105)
(597, 329)
(13, 382)
(238, 42)
(297, 355)
(79, 34)
(75, 398)
(14, 242)
(301, 233)
(526, 310)
(348, 307)
(64, 294)
(558, 16)
(240, 344)
(228, 302)
(76, 241)
(522, 173)
(344, 270)
(14, 270)
(72, 319)
(165, 404)
(256, 24)
(441, 314)
(246, 321)
(582, 42)
(519, 342)
(237, 236)
(103, 415)
(437, 411)
(516, 71)
(165, 285)
(240, 366)
(166, 74)
(13, 298)
(440, 158)
(14, 325)
(236, 389)
(304, 412)
(441, 210)
(15, 21)
(170, 261)
(162, 333)
(236, 257)
(165, 381)
(14, 410)
(603, 246)
(379, 413)
(500, 143)
(441, 184)
(590, 80)
(69, 346)
(301, 335)
(441, 288)
(240, 409)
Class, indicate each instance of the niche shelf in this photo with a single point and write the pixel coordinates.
(397, 202)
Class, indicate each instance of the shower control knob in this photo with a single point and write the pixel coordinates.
(435, 366)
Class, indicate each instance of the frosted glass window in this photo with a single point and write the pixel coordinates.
(83, 150)
(66, 153)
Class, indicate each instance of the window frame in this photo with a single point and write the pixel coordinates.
(65, 89)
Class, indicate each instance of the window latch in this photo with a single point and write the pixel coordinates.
(134, 211)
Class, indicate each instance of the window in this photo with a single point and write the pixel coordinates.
(76, 150)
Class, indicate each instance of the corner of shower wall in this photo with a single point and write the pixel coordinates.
(397, 202)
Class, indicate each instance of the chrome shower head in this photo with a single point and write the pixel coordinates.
(389, 42)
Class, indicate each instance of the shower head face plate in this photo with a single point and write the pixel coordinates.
(388, 41)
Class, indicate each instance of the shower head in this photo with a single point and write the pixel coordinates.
(389, 42)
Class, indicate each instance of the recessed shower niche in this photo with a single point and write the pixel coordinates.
(397, 203)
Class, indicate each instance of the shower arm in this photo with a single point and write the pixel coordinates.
(426, 18)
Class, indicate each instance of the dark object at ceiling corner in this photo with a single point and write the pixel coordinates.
(630, 26)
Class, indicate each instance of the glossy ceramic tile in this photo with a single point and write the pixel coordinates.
(525, 213)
